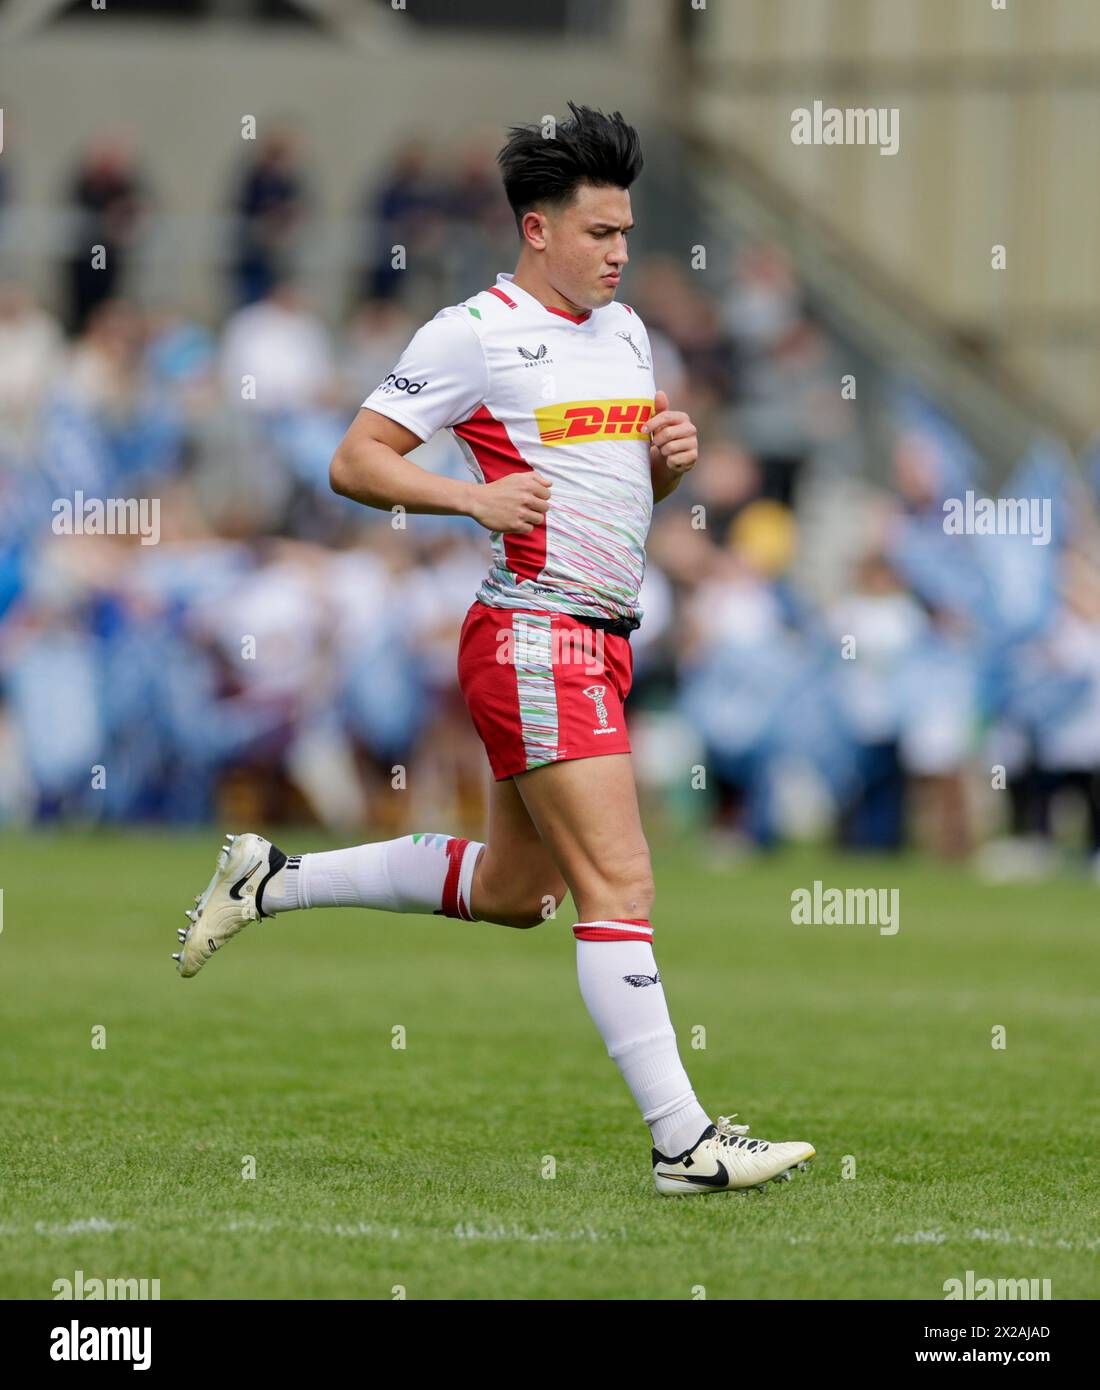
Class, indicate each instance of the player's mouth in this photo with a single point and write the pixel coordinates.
(611, 279)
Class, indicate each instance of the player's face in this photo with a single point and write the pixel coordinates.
(586, 245)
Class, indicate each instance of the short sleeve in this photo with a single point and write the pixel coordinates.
(439, 380)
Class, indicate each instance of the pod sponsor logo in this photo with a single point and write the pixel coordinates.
(402, 383)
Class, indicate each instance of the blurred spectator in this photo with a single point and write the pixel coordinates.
(108, 425)
(105, 369)
(1064, 762)
(724, 481)
(31, 351)
(111, 202)
(406, 210)
(876, 627)
(683, 317)
(375, 338)
(482, 231)
(270, 206)
(280, 348)
(181, 358)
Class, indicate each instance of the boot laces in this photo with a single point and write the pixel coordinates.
(733, 1136)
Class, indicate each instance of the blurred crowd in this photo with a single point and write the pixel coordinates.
(819, 657)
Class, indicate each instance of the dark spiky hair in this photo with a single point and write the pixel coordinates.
(589, 148)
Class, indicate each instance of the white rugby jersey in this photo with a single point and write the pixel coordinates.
(522, 386)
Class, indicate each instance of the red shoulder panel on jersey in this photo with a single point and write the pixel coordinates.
(501, 295)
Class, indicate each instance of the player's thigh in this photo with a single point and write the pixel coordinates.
(586, 810)
(517, 862)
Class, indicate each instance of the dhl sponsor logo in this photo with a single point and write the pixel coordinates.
(576, 421)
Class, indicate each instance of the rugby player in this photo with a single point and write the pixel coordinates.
(546, 381)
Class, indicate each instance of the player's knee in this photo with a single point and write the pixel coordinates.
(632, 876)
(625, 884)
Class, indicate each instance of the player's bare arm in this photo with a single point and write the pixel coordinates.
(370, 467)
(674, 446)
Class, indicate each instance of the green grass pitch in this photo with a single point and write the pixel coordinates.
(424, 1168)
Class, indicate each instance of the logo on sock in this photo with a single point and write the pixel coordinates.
(640, 981)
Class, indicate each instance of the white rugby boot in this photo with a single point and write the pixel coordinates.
(723, 1159)
(230, 900)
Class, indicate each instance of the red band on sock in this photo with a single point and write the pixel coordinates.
(452, 903)
(613, 929)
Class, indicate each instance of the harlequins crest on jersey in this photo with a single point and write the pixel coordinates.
(635, 349)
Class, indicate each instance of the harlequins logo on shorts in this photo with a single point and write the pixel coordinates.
(596, 693)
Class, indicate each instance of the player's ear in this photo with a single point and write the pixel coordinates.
(534, 230)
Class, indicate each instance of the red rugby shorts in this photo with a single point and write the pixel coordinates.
(542, 687)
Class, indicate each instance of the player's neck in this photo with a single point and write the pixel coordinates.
(527, 277)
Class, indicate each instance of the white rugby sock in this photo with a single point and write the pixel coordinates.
(622, 990)
(418, 873)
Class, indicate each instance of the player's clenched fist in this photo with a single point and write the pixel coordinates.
(515, 504)
(673, 435)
